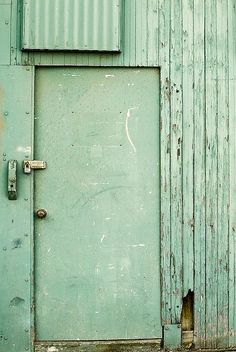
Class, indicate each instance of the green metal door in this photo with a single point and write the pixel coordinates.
(97, 252)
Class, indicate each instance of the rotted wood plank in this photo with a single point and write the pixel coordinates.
(187, 146)
(199, 175)
(211, 174)
(164, 35)
(176, 66)
(223, 172)
(232, 153)
(99, 346)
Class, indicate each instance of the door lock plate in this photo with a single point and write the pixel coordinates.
(12, 169)
(29, 165)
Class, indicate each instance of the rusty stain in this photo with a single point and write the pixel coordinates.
(1, 123)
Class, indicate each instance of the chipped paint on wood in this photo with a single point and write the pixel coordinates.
(199, 174)
(232, 171)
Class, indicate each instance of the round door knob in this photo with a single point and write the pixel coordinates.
(41, 213)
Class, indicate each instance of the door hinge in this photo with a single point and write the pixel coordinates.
(172, 336)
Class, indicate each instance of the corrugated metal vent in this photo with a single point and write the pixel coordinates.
(71, 25)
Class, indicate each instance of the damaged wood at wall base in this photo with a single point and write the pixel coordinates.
(181, 335)
(187, 319)
(100, 346)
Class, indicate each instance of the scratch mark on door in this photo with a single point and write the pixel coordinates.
(127, 127)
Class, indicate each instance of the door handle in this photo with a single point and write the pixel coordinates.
(41, 213)
(12, 180)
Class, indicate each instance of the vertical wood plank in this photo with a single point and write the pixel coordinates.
(232, 153)
(176, 158)
(127, 38)
(152, 32)
(187, 146)
(223, 172)
(144, 34)
(199, 175)
(132, 33)
(138, 31)
(15, 37)
(164, 53)
(211, 174)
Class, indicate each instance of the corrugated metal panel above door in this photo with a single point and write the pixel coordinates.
(71, 25)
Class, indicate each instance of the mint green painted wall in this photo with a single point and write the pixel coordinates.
(193, 42)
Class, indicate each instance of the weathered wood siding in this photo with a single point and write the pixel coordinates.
(194, 44)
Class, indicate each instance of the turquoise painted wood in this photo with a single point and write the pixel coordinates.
(16, 321)
(199, 177)
(97, 267)
(193, 44)
(232, 168)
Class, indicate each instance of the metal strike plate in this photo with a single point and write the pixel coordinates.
(29, 165)
(12, 185)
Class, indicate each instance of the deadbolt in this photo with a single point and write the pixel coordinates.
(41, 213)
(29, 165)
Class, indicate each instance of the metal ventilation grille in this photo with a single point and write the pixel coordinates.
(71, 25)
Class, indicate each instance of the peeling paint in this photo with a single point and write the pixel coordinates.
(23, 149)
